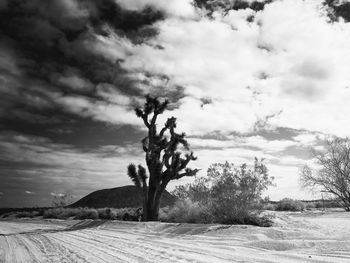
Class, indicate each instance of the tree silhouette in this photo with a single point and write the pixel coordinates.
(164, 160)
(333, 175)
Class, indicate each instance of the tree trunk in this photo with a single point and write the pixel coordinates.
(151, 215)
(347, 205)
(144, 205)
(156, 204)
(153, 203)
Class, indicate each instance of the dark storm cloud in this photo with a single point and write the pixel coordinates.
(51, 55)
(47, 48)
(66, 101)
(338, 9)
(227, 5)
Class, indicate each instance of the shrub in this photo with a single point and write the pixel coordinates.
(129, 214)
(257, 220)
(28, 214)
(269, 206)
(61, 213)
(231, 195)
(288, 204)
(87, 213)
(106, 213)
(310, 205)
(186, 211)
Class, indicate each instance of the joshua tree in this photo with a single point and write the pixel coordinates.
(164, 161)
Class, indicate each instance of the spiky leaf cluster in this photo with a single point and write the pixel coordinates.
(138, 177)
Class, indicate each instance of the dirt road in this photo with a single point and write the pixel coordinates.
(294, 238)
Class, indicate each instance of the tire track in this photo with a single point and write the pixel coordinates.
(109, 252)
(179, 250)
(55, 252)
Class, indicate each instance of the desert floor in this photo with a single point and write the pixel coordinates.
(295, 237)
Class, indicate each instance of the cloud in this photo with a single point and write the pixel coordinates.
(45, 55)
(223, 59)
(256, 142)
(181, 8)
(44, 166)
(58, 194)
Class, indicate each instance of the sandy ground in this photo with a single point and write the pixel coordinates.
(295, 237)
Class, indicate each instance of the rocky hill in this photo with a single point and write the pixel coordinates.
(119, 197)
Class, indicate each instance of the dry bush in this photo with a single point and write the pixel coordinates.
(129, 214)
(228, 195)
(269, 206)
(61, 213)
(186, 211)
(26, 214)
(288, 204)
(76, 213)
(87, 213)
(106, 214)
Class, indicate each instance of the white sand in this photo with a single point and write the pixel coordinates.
(296, 237)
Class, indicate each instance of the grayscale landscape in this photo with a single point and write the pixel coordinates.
(174, 131)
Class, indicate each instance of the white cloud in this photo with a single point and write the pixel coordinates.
(258, 142)
(58, 194)
(287, 183)
(75, 82)
(306, 68)
(309, 139)
(29, 192)
(99, 110)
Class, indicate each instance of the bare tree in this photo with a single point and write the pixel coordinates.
(164, 160)
(61, 200)
(333, 176)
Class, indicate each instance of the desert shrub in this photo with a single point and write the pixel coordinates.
(61, 213)
(288, 204)
(258, 220)
(186, 211)
(328, 203)
(310, 205)
(230, 194)
(87, 213)
(119, 213)
(269, 206)
(332, 203)
(5, 215)
(198, 191)
(106, 213)
(129, 214)
(29, 212)
(26, 214)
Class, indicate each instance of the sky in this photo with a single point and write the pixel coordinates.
(266, 79)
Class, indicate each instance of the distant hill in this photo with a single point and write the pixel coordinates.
(119, 197)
